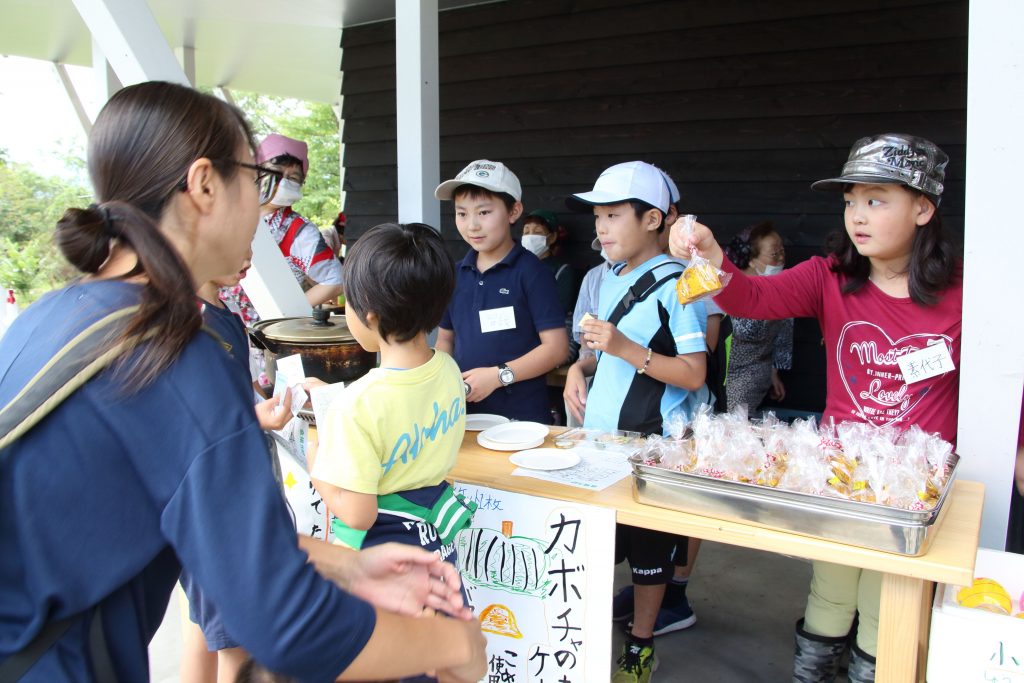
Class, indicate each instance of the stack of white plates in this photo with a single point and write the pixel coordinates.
(513, 436)
(478, 422)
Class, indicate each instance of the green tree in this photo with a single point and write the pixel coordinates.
(30, 205)
(316, 125)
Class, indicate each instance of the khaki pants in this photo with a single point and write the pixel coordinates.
(837, 593)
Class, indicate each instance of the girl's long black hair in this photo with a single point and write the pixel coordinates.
(934, 263)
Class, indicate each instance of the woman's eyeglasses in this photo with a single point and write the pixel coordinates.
(267, 179)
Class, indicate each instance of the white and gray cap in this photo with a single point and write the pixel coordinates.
(490, 175)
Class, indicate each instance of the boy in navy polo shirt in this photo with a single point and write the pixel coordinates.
(504, 326)
(649, 366)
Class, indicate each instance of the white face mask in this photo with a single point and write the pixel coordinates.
(537, 244)
(772, 270)
(604, 254)
(288, 192)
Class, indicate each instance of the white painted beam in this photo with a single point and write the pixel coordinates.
(992, 356)
(131, 40)
(107, 82)
(187, 59)
(416, 86)
(269, 284)
(225, 95)
(73, 97)
(341, 153)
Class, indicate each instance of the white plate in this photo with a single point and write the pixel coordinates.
(480, 421)
(516, 432)
(545, 459)
(495, 446)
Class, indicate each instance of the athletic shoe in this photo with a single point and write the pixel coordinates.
(675, 618)
(636, 664)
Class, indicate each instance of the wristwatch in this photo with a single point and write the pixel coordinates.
(505, 375)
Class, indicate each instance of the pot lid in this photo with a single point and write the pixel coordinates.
(306, 330)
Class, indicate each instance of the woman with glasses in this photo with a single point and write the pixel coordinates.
(312, 261)
(759, 348)
(151, 466)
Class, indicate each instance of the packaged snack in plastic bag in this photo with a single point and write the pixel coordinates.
(808, 467)
(700, 279)
(776, 439)
(742, 451)
(670, 453)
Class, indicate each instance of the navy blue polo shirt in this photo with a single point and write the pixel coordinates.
(519, 282)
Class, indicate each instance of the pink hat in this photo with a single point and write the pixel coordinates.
(275, 145)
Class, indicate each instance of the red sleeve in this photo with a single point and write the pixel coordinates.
(794, 293)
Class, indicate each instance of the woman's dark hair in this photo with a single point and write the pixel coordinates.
(933, 266)
(140, 150)
(741, 249)
(474, 191)
(403, 274)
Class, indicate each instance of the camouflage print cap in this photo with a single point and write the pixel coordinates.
(893, 158)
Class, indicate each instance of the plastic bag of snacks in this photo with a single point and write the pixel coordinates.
(700, 279)
(669, 452)
(728, 446)
(773, 466)
(808, 466)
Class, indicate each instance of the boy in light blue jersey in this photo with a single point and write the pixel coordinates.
(649, 364)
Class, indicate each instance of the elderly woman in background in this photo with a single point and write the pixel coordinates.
(759, 348)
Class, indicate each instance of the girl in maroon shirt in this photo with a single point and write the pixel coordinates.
(892, 287)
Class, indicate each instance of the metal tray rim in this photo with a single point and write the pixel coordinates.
(865, 511)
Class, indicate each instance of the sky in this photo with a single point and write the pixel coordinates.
(38, 125)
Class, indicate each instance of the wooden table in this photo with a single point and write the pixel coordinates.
(907, 584)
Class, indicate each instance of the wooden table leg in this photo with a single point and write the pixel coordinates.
(900, 629)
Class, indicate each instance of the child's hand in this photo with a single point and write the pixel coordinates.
(601, 335)
(274, 413)
(482, 382)
(575, 393)
(680, 242)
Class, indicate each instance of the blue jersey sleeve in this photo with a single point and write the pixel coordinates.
(688, 324)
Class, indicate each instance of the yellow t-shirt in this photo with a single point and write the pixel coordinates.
(394, 430)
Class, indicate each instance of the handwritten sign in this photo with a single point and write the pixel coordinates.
(538, 573)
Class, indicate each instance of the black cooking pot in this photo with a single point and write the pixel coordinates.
(329, 351)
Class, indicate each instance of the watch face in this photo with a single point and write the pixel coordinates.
(506, 376)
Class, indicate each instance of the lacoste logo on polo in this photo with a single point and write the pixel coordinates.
(503, 291)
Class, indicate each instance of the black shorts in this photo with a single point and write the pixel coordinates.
(649, 553)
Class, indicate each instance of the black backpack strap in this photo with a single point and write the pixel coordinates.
(645, 285)
(15, 666)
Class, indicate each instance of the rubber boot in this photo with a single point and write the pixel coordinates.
(817, 657)
(862, 666)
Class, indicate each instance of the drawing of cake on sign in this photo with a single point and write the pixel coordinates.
(500, 620)
(516, 564)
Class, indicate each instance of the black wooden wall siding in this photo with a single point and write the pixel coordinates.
(744, 103)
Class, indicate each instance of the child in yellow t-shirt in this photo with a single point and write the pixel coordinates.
(391, 437)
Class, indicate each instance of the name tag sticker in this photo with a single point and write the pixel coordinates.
(497, 319)
(924, 363)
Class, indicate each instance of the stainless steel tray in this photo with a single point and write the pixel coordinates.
(869, 525)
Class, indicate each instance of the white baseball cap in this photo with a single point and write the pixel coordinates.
(490, 175)
(623, 182)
